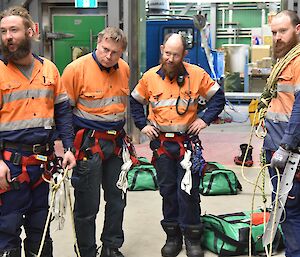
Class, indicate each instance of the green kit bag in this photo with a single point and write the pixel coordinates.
(142, 176)
(219, 181)
(228, 234)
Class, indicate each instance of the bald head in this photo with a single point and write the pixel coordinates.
(175, 38)
(172, 55)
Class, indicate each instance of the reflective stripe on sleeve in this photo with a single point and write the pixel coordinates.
(212, 91)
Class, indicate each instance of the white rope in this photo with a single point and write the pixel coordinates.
(186, 182)
(60, 200)
(54, 188)
(122, 182)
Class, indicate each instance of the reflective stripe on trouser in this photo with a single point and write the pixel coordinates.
(23, 207)
(178, 206)
(86, 179)
(291, 224)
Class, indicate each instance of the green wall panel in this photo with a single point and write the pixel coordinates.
(84, 30)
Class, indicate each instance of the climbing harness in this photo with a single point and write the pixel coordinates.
(18, 159)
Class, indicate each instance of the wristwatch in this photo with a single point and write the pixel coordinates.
(72, 149)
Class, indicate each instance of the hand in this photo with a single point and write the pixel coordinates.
(150, 131)
(196, 127)
(4, 175)
(69, 159)
(279, 158)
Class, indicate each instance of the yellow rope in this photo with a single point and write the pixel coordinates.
(270, 89)
(73, 223)
(262, 171)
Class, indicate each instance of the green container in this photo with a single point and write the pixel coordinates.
(142, 176)
(228, 234)
(219, 181)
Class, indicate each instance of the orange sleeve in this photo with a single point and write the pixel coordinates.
(68, 79)
(206, 82)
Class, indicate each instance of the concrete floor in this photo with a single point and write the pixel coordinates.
(143, 234)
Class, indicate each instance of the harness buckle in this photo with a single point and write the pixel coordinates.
(38, 148)
(16, 158)
(14, 184)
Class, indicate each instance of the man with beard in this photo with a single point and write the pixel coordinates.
(34, 110)
(280, 108)
(172, 90)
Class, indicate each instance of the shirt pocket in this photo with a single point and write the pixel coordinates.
(285, 77)
(125, 91)
(155, 96)
(11, 85)
(48, 81)
(90, 95)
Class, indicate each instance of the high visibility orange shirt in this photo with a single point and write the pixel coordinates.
(163, 96)
(99, 96)
(280, 107)
(26, 104)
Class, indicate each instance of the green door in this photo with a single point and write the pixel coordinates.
(81, 32)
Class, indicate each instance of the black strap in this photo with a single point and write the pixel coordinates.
(212, 180)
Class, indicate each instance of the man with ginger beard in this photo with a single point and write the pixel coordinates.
(172, 90)
(34, 111)
(281, 104)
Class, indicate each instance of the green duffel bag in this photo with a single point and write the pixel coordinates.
(218, 180)
(142, 176)
(228, 234)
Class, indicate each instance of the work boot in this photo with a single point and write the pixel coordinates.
(32, 248)
(173, 243)
(192, 238)
(110, 252)
(16, 252)
(238, 160)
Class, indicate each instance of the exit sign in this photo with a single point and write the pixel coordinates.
(86, 3)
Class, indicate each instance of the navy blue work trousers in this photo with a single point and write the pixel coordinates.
(87, 178)
(178, 206)
(24, 207)
(291, 223)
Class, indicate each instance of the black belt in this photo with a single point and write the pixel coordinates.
(36, 149)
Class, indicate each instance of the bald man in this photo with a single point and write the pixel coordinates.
(172, 91)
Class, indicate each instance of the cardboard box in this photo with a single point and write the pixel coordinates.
(258, 52)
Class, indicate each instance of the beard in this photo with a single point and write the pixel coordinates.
(173, 71)
(22, 51)
(282, 48)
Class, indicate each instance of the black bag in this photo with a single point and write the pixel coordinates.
(228, 234)
(218, 180)
(142, 176)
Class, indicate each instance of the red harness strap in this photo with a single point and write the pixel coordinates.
(107, 135)
(26, 161)
(179, 139)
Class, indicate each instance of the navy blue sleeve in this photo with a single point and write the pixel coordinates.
(291, 135)
(137, 113)
(64, 123)
(214, 107)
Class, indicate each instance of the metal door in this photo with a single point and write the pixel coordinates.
(74, 36)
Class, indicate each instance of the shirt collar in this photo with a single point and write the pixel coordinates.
(161, 73)
(102, 68)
